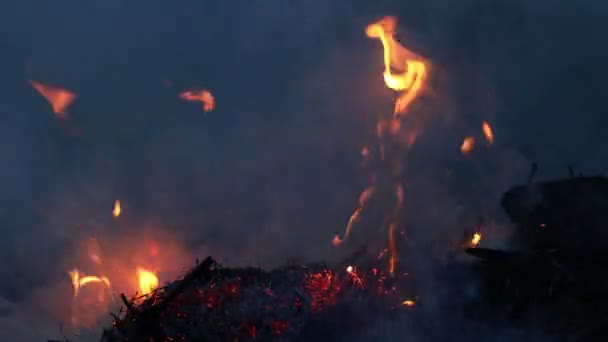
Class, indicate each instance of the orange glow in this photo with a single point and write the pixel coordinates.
(147, 281)
(392, 247)
(349, 226)
(116, 211)
(396, 56)
(79, 280)
(409, 302)
(476, 239)
(60, 99)
(203, 96)
(487, 131)
(467, 145)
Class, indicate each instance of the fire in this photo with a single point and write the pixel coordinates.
(59, 98)
(476, 239)
(147, 281)
(397, 57)
(467, 145)
(203, 96)
(79, 280)
(487, 131)
(409, 302)
(116, 211)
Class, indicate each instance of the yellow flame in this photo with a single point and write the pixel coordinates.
(476, 239)
(79, 280)
(147, 281)
(396, 56)
(409, 302)
(117, 209)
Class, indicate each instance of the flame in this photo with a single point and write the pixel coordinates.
(116, 211)
(60, 99)
(476, 239)
(467, 145)
(392, 247)
(203, 96)
(79, 280)
(409, 302)
(487, 131)
(147, 280)
(396, 56)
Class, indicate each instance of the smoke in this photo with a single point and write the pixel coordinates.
(272, 173)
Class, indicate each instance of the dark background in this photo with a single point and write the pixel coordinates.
(272, 173)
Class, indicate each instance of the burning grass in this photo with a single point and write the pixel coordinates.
(213, 303)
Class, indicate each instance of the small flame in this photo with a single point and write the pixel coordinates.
(59, 98)
(349, 269)
(79, 280)
(487, 131)
(396, 56)
(117, 209)
(409, 302)
(147, 281)
(467, 145)
(203, 96)
(476, 239)
(337, 241)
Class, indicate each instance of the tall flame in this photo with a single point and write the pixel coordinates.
(59, 98)
(147, 281)
(396, 56)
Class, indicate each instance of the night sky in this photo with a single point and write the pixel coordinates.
(273, 173)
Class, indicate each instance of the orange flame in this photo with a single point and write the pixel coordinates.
(147, 280)
(79, 280)
(117, 209)
(467, 145)
(392, 247)
(476, 239)
(487, 131)
(60, 99)
(409, 302)
(396, 56)
(203, 96)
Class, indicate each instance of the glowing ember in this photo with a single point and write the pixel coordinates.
(476, 239)
(203, 96)
(116, 211)
(60, 99)
(487, 132)
(397, 57)
(147, 280)
(79, 280)
(409, 302)
(467, 145)
(336, 240)
(349, 269)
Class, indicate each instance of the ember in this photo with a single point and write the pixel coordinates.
(487, 132)
(467, 145)
(203, 96)
(59, 98)
(213, 303)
